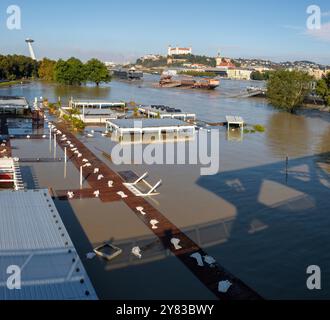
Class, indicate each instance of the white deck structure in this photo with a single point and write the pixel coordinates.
(152, 113)
(120, 127)
(235, 120)
(13, 105)
(90, 104)
(96, 111)
(10, 167)
(34, 238)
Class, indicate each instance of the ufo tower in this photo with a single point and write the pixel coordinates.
(32, 54)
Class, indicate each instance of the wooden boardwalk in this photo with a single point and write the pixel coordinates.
(211, 275)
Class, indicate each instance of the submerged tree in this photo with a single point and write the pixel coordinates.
(70, 72)
(97, 72)
(47, 69)
(287, 90)
(323, 89)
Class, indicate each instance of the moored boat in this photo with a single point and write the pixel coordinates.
(168, 81)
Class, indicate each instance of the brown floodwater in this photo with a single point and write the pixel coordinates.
(262, 222)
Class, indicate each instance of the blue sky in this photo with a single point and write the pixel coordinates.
(123, 30)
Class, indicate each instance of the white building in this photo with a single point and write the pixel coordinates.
(109, 64)
(179, 51)
(153, 57)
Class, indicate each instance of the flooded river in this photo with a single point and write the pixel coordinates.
(262, 221)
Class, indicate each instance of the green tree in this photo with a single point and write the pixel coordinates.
(288, 89)
(261, 76)
(257, 75)
(70, 72)
(47, 69)
(17, 67)
(323, 89)
(97, 72)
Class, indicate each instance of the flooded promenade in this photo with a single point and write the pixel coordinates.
(263, 223)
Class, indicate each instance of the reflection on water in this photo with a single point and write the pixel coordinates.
(84, 92)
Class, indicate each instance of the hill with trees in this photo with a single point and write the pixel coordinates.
(177, 60)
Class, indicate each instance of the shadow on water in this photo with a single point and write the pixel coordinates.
(149, 280)
(82, 245)
(83, 92)
(281, 227)
(29, 177)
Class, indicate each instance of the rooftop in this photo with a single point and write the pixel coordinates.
(234, 120)
(33, 237)
(97, 102)
(6, 101)
(164, 112)
(148, 123)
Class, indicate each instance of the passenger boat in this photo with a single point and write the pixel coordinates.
(128, 74)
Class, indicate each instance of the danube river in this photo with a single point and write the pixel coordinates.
(264, 224)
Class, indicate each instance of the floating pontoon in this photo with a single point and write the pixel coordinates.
(140, 127)
(235, 121)
(95, 111)
(158, 113)
(13, 105)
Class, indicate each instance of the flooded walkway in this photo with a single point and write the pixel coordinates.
(212, 275)
(234, 215)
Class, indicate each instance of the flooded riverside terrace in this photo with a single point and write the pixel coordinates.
(264, 224)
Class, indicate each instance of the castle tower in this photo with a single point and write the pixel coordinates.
(218, 59)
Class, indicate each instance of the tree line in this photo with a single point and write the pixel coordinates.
(67, 72)
(17, 67)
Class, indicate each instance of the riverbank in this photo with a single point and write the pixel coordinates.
(321, 108)
(13, 83)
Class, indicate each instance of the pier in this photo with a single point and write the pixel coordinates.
(211, 275)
